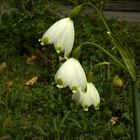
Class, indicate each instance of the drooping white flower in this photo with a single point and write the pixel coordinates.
(71, 74)
(61, 34)
(88, 97)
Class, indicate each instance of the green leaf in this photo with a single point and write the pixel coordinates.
(40, 130)
(75, 122)
(126, 56)
(126, 116)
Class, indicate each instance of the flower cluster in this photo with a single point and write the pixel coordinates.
(71, 73)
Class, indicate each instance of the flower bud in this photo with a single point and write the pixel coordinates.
(75, 12)
(76, 53)
(118, 81)
(90, 77)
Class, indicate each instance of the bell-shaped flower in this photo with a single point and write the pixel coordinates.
(88, 97)
(71, 74)
(61, 34)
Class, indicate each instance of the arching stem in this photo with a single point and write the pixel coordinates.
(105, 51)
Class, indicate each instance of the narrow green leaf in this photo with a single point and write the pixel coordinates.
(40, 130)
(126, 56)
(75, 122)
(65, 117)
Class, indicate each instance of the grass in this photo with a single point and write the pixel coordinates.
(39, 110)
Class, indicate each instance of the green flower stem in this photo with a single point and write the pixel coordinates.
(126, 56)
(100, 64)
(136, 110)
(76, 52)
(105, 51)
(90, 76)
(99, 14)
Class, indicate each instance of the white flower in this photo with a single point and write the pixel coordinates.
(86, 99)
(61, 34)
(71, 74)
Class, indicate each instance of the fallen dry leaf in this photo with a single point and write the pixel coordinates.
(32, 81)
(8, 86)
(31, 59)
(3, 65)
(44, 49)
(114, 119)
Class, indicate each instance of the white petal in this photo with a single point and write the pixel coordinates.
(55, 30)
(72, 74)
(81, 76)
(65, 40)
(86, 99)
(61, 34)
(69, 39)
(78, 78)
(64, 72)
(93, 94)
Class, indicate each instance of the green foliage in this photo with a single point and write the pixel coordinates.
(42, 111)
